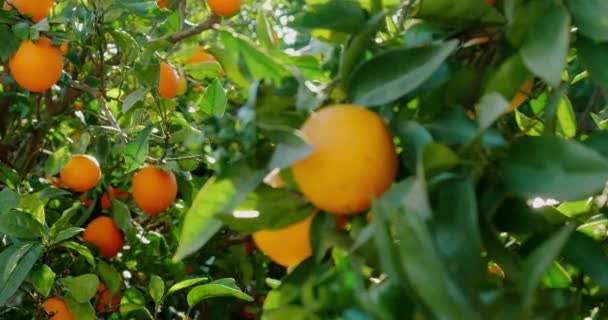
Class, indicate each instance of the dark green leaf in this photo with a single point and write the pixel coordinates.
(8, 200)
(458, 14)
(64, 221)
(109, 276)
(10, 43)
(590, 17)
(67, 233)
(292, 148)
(133, 98)
(82, 250)
(137, 150)
(588, 255)
(334, 15)
(592, 55)
(80, 310)
(20, 224)
(16, 262)
(132, 300)
(218, 288)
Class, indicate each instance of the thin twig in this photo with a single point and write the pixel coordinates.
(184, 34)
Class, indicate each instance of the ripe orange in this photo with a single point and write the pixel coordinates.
(36, 66)
(162, 3)
(38, 9)
(105, 300)
(106, 202)
(58, 309)
(224, 7)
(64, 47)
(104, 233)
(154, 189)
(168, 81)
(522, 96)
(353, 162)
(200, 56)
(288, 246)
(81, 174)
(496, 270)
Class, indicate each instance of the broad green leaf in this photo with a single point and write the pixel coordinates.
(64, 221)
(437, 158)
(413, 137)
(128, 46)
(588, 255)
(230, 63)
(67, 234)
(341, 16)
(8, 200)
(80, 146)
(156, 288)
(539, 261)
(590, 16)
(556, 277)
(10, 43)
(263, 30)
(132, 300)
(109, 276)
(490, 108)
(20, 224)
(185, 284)
(80, 310)
(218, 288)
(219, 195)
(509, 78)
(566, 119)
(57, 161)
(397, 72)
(291, 149)
(43, 279)
(16, 262)
(459, 14)
(133, 98)
(32, 204)
(551, 167)
(137, 150)
(592, 55)
(82, 250)
(214, 99)
(546, 44)
(82, 288)
(203, 71)
(121, 215)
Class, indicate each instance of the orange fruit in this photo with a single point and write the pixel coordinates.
(64, 48)
(58, 309)
(36, 66)
(105, 300)
(154, 189)
(162, 3)
(353, 162)
(106, 202)
(288, 246)
(38, 9)
(522, 96)
(86, 201)
(81, 174)
(104, 233)
(168, 81)
(182, 85)
(496, 270)
(200, 56)
(224, 7)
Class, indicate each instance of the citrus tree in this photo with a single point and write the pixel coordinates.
(309, 159)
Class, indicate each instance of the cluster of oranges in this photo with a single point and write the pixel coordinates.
(105, 300)
(336, 177)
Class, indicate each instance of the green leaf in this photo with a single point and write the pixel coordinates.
(291, 149)
(566, 119)
(335, 15)
(34, 206)
(590, 17)
(67, 234)
(137, 150)
(121, 215)
(133, 98)
(109, 276)
(43, 279)
(219, 195)
(10, 43)
(218, 288)
(82, 250)
(80, 146)
(539, 261)
(592, 55)
(8, 200)
(16, 262)
(20, 224)
(414, 137)
(132, 300)
(509, 78)
(82, 288)
(129, 49)
(156, 288)
(80, 310)
(546, 45)
(490, 108)
(57, 161)
(214, 99)
(556, 277)
(397, 72)
(588, 255)
(437, 158)
(203, 71)
(64, 221)
(184, 284)
(551, 167)
(263, 30)
(459, 14)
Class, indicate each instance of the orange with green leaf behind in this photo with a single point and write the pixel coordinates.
(81, 174)
(353, 162)
(168, 82)
(57, 309)
(201, 56)
(106, 202)
(37, 9)
(288, 246)
(154, 189)
(105, 234)
(224, 7)
(522, 95)
(162, 3)
(36, 66)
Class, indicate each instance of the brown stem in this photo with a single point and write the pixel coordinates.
(184, 34)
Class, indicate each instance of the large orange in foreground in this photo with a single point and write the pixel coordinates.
(288, 246)
(168, 83)
(224, 7)
(104, 233)
(353, 162)
(58, 309)
(154, 189)
(38, 9)
(36, 66)
(81, 174)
